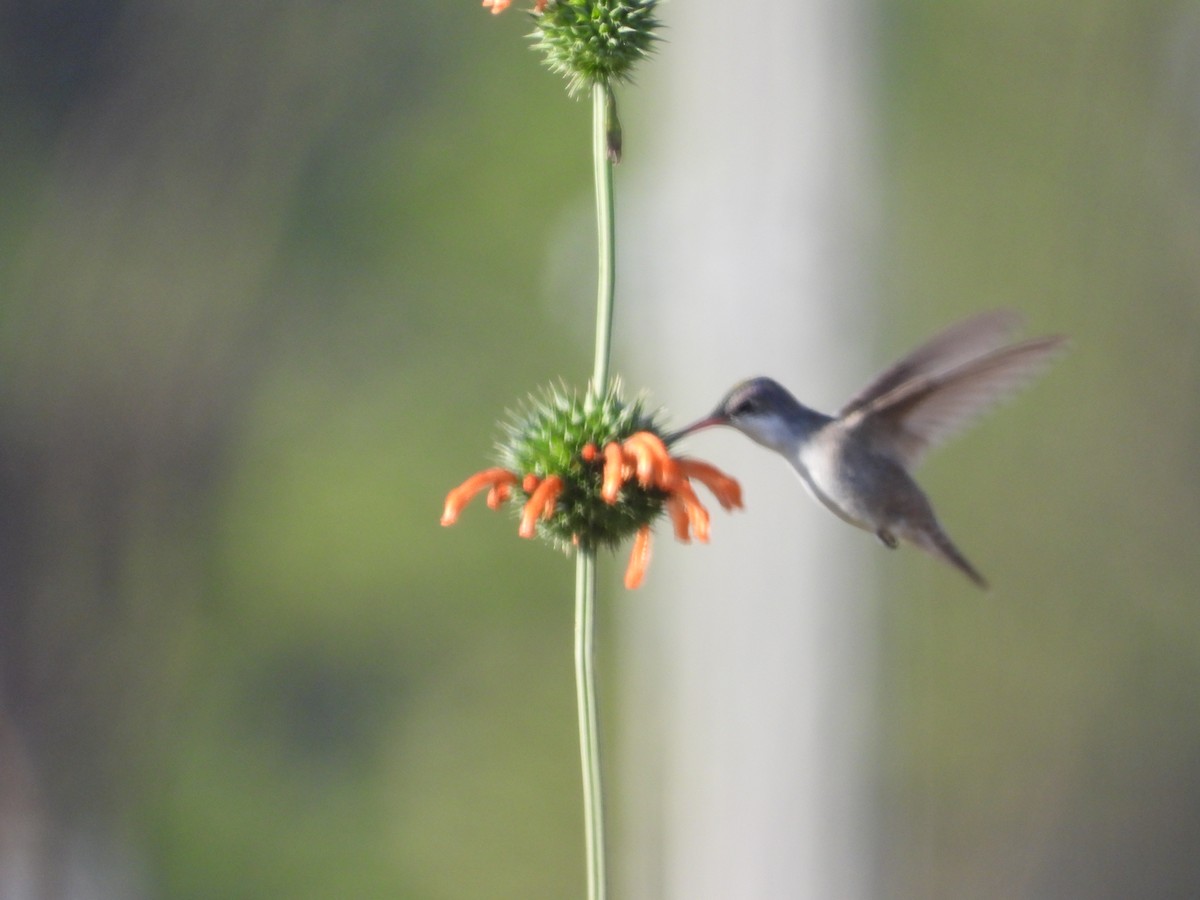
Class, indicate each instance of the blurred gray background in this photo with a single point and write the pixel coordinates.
(269, 274)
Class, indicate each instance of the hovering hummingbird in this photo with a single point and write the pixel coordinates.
(857, 461)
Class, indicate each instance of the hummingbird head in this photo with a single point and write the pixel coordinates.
(760, 408)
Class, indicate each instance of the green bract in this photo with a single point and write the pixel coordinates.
(595, 41)
(547, 436)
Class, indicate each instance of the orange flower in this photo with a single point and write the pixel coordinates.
(727, 491)
(697, 515)
(639, 463)
(614, 472)
(639, 559)
(540, 505)
(680, 519)
(643, 456)
(499, 6)
(654, 463)
(500, 482)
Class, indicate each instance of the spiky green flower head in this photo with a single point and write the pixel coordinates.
(595, 41)
(547, 436)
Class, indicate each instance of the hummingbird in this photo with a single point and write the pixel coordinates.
(857, 462)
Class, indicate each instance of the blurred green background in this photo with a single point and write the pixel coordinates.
(268, 275)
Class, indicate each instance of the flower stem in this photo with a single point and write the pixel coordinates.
(589, 737)
(605, 233)
(585, 559)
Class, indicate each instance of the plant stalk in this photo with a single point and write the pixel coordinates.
(585, 559)
(605, 234)
(589, 720)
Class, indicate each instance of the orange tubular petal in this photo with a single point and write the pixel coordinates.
(680, 519)
(540, 505)
(643, 460)
(498, 6)
(639, 559)
(551, 498)
(589, 453)
(614, 472)
(697, 514)
(668, 474)
(461, 495)
(497, 495)
(529, 483)
(655, 465)
(726, 489)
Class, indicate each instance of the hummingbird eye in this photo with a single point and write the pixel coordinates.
(746, 406)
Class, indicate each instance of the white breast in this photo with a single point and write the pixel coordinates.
(817, 471)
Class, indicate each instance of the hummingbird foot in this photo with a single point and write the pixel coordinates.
(889, 540)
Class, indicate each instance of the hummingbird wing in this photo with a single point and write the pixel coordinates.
(946, 350)
(918, 415)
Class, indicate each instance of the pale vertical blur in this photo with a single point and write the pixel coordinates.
(754, 241)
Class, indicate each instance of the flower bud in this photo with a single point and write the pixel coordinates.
(548, 437)
(595, 41)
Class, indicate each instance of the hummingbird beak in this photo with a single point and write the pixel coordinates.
(707, 422)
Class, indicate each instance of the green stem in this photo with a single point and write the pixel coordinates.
(589, 720)
(605, 234)
(585, 559)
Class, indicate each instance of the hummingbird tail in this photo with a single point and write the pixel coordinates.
(936, 543)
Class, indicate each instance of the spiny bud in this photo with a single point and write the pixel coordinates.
(592, 470)
(595, 41)
(548, 437)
